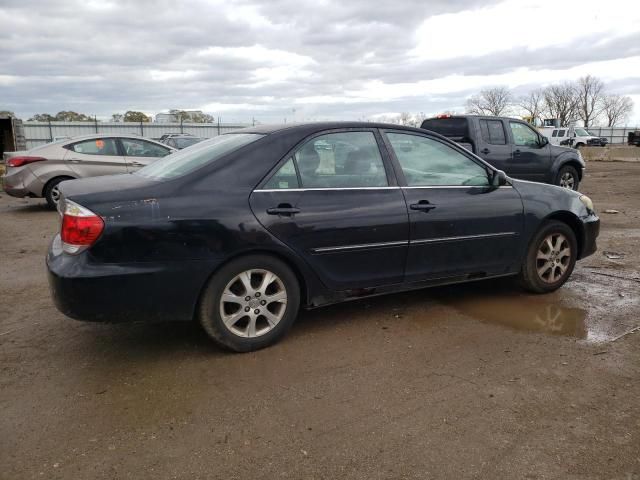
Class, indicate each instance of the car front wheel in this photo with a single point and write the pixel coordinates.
(250, 303)
(568, 178)
(550, 258)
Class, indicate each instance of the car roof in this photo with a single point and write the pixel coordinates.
(107, 135)
(319, 126)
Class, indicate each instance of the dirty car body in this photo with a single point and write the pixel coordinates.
(166, 236)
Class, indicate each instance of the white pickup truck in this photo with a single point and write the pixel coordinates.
(576, 137)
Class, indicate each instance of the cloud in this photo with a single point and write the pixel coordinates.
(322, 58)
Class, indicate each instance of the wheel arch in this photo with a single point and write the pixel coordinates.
(295, 268)
(64, 176)
(574, 223)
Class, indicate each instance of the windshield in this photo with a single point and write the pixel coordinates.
(581, 132)
(185, 161)
(185, 142)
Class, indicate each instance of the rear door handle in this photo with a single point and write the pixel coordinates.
(422, 205)
(485, 151)
(283, 209)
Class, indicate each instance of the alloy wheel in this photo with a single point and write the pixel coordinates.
(253, 303)
(567, 180)
(55, 194)
(553, 257)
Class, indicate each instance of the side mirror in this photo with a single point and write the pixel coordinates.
(544, 141)
(499, 178)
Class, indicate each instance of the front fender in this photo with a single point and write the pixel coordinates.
(569, 157)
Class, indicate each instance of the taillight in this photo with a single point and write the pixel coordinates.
(80, 227)
(24, 160)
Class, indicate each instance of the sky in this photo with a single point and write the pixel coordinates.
(305, 60)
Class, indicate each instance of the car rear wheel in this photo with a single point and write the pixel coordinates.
(52, 191)
(250, 303)
(550, 258)
(568, 178)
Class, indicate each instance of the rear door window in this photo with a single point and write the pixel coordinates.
(493, 132)
(334, 160)
(96, 146)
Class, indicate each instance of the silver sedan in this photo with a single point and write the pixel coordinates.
(37, 172)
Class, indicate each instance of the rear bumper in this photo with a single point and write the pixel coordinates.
(591, 230)
(21, 183)
(124, 292)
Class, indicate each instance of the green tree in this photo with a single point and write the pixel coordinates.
(117, 117)
(133, 116)
(42, 117)
(199, 117)
(192, 117)
(7, 113)
(69, 116)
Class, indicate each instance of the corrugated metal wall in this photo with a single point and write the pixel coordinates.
(38, 133)
(617, 135)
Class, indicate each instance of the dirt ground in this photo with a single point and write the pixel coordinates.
(476, 381)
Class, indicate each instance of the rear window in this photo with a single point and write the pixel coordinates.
(449, 127)
(203, 153)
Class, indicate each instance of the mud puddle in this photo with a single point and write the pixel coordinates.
(592, 307)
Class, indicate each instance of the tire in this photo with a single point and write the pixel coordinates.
(237, 333)
(579, 145)
(51, 193)
(568, 178)
(533, 276)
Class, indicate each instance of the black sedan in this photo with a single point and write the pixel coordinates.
(240, 231)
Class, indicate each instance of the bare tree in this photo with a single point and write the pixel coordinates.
(532, 104)
(405, 118)
(616, 109)
(589, 94)
(492, 101)
(561, 102)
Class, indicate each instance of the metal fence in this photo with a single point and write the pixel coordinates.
(615, 135)
(38, 133)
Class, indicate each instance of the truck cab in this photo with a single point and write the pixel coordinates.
(512, 145)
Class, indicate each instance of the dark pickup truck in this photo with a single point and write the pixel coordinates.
(513, 146)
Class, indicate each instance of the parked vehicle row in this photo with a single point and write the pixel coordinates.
(240, 231)
(576, 137)
(39, 171)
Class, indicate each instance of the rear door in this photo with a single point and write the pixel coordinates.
(139, 153)
(492, 144)
(531, 156)
(94, 157)
(459, 224)
(336, 203)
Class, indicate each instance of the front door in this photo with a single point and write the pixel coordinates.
(95, 157)
(531, 156)
(459, 224)
(335, 202)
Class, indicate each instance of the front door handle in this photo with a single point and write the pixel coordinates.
(485, 151)
(422, 205)
(283, 209)
(516, 152)
(137, 164)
